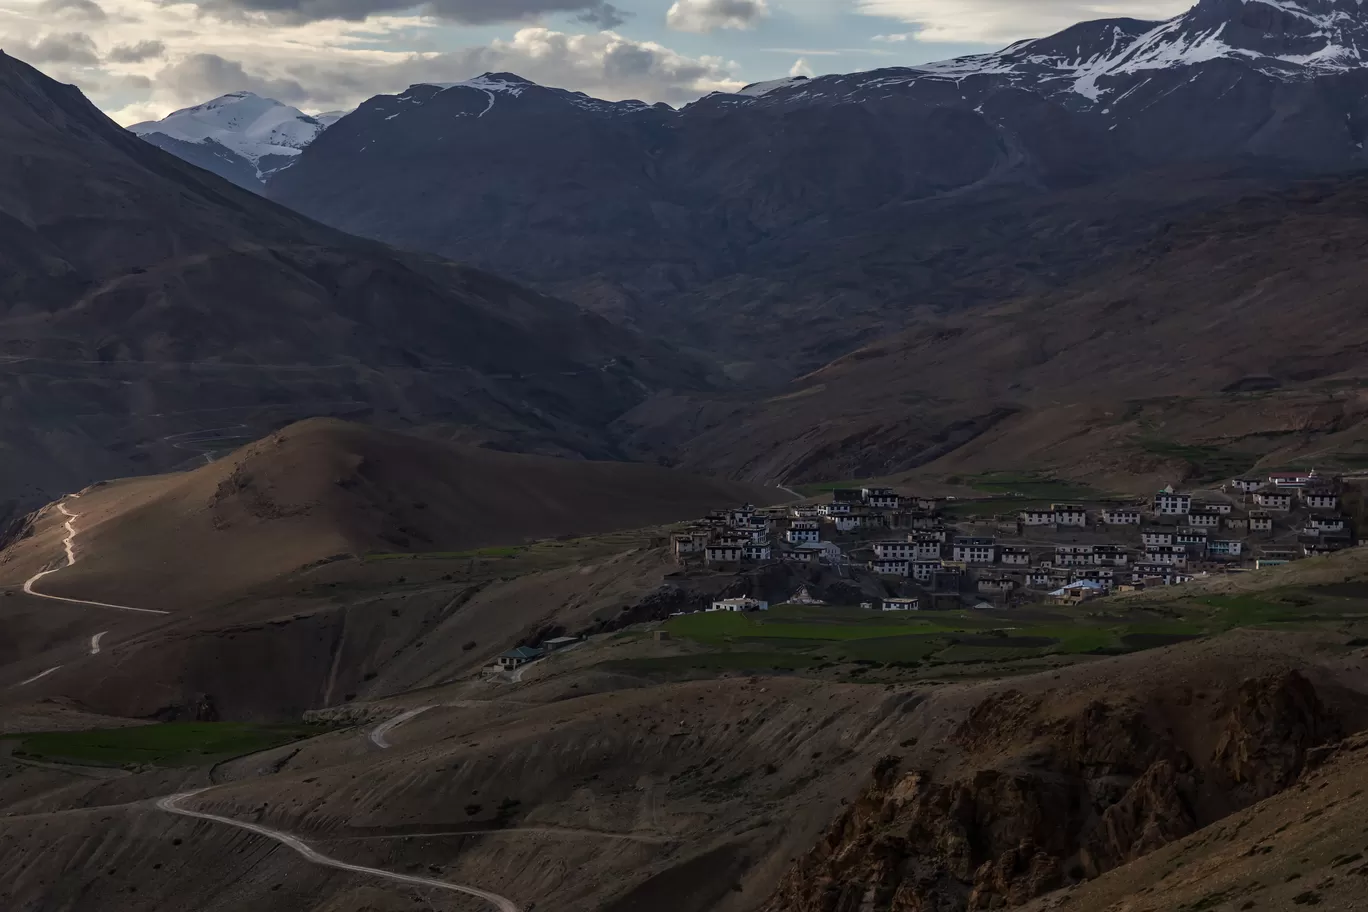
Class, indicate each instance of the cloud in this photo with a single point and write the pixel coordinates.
(604, 64)
(75, 48)
(800, 68)
(467, 12)
(88, 10)
(1004, 21)
(704, 16)
(200, 77)
(136, 53)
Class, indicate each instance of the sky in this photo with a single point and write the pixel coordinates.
(141, 59)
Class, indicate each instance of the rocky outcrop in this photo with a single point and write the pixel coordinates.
(1040, 800)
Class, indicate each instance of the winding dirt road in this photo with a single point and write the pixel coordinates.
(172, 805)
(379, 733)
(69, 543)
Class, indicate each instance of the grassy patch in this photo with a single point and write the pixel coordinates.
(713, 661)
(172, 744)
(818, 488)
(1030, 485)
(724, 626)
(1209, 463)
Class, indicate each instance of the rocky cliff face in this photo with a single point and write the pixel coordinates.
(1043, 802)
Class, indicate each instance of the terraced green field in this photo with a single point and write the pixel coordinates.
(793, 638)
(173, 744)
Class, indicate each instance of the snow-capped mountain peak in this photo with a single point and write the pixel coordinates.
(248, 125)
(1288, 38)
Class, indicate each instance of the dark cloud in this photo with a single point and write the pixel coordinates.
(467, 12)
(88, 10)
(136, 53)
(67, 48)
(710, 15)
(603, 15)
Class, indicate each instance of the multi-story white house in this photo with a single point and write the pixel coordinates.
(924, 570)
(1166, 555)
(836, 508)
(1225, 548)
(881, 498)
(891, 566)
(1260, 521)
(1121, 517)
(1320, 524)
(801, 531)
(1247, 485)
(927, 549)
(1167, 503)
(1040, 579)
(1037, 517)
(1152, 537)
(739, 605)
(846, 523)
(1070, 515)
(1111, 556)
(726, 551)
(1278, 501)
(895, 550)
(757, 551)
(1015, 557)
(1320, 500)
(1074, 555)
(975, 550)
(1205, 520)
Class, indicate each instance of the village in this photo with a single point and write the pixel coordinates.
(916, 553)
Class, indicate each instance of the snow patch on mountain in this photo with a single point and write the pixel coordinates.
(242, 122)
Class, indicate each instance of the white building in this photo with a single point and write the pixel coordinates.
(1278, 501)
(891, 566)
(1037, 517)
(757, 551)
(1070, 515)
(802, 531)
(901, 604)
(1321, 524)
(1016, 557)
(1166, 555)
(1167, 503)
(898, 550)
(1205, 520)
(726, 552)
(846, 523)
(923, 570)
(1226, 548)
(835, 508)
(1320, 500)
(739, 605)
(1247, 485)
(975, 550)
(1124, 517)
(927, 549)
(1260, 522)
(1151, 537)
(881, 498)
(1297, 479)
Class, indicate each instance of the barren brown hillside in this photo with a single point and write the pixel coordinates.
(1258, 305)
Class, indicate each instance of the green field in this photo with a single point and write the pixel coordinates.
(1032, 486)
(1209, 463)
(793, 638)
(173, 744)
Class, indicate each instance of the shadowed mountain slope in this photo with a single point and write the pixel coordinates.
(149, 307)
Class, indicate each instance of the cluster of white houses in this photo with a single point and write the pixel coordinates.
(1164, 542)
